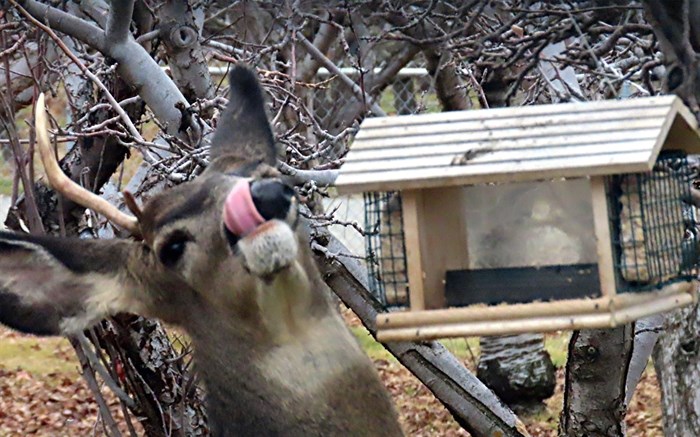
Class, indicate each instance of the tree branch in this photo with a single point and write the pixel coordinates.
(110, 98)
(97, 365)
(136, 66)
(300, 177)
(119, 21)
(375, 84)
(66, 23)
(180, 35)
(361, 95)
(21, 81)
(596, 376)
(441, 65)
(111, 428)
(397, 60)
(327, 33)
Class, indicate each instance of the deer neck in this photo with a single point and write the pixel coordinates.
(303, 375)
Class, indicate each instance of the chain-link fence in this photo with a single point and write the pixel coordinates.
(410, 93)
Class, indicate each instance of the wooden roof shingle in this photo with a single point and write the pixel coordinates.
(516, 144)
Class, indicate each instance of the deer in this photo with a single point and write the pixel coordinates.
(223, 257)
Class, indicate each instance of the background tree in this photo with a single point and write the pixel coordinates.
(122, 101)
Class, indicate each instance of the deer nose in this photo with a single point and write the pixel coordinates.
(271, 198)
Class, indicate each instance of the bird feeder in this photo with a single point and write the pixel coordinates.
(529, 219)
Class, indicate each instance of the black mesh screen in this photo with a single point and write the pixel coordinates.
(386, 254)
(652, 225)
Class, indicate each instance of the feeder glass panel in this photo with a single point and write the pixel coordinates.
(530, 224)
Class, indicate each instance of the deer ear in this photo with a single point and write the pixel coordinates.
(243, 129)
(52, 286)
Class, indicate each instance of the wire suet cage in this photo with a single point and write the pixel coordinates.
(653, 224)
(386, 253)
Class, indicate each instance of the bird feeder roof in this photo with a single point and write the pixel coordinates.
(516, 144)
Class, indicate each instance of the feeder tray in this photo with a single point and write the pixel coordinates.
(593, 197)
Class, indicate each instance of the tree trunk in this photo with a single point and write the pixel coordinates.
(159, 377)
(136, 352)
(470, 402)
(677, 363)
(596, 376)
(517, 368)
(676, 25)
(180, 35)
(646, 334)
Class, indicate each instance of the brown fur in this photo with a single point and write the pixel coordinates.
(273, 352)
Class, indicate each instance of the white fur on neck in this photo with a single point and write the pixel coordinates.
(313, 360)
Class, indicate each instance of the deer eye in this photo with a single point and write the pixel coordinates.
(174, 247)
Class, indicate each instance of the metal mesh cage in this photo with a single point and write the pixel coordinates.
(386, 254)
(652, 223)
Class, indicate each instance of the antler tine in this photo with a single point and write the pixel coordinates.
(64, 185)
(131, 203)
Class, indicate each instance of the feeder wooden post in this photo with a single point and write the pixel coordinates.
(436, 241)
(412, 202)
(601, 225)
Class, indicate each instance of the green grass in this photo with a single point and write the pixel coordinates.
(5, 186)
(375, 350)
(36, 356)
(39, 357)
(557, 345)
(464, 349)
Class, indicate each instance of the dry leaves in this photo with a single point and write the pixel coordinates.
(60, 404)
(50, 404)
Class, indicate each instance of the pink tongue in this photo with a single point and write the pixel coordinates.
(240, 215)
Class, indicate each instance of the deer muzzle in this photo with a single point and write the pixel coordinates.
(258, 214)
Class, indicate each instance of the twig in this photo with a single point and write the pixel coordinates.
(300, 177)
(110, 425)
(330, 256)
(106, 377)
(115, 105)
(361, 95)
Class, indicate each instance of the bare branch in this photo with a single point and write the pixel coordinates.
(111, 428)
(119, 21)
(21, 82)
(398, 60)
(300, 177)
(180, 34)
(66, 23)
(135, 65)
(115, 105)
(327, 33)
(100, 369)
(313, 51)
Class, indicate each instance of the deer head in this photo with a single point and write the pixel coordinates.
(219, 256)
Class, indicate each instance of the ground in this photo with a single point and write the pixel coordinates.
(41, 392)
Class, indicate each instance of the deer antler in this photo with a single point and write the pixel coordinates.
(64, 185)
